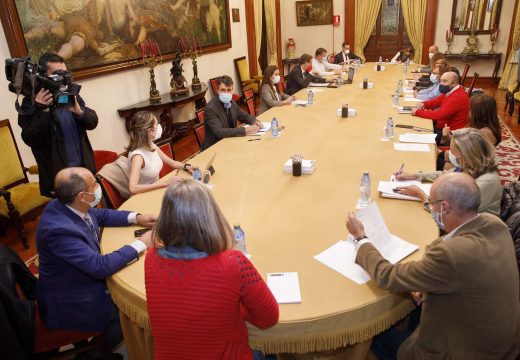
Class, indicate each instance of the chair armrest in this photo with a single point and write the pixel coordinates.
(33, 169)
(258, 78)
(248, 82)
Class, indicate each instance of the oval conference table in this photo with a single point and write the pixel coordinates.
(288, 220)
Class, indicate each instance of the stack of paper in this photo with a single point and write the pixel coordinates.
(387, 189)
(404, 109)
(285, 287)
(262, 131)
(411, 99)
(313, 84)
(417, 138)
(342, 255)
(411, 147)
(308, 166)
(299, 102)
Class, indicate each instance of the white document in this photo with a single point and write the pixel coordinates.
(285, 287)
(327, 73)
(308, 166)
(411, 147)
(342, 255)
(299, 102)
(313, 84)
(411, 99)
(417, 138)
(262, 131)
(404, 109)
(387, 189)
(408, 91)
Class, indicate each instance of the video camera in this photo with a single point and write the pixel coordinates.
(28, 79)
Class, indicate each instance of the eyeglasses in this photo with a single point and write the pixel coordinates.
(430, 203)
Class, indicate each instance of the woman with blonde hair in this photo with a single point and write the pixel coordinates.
(470, 152)
(145, 158)
(200, 292)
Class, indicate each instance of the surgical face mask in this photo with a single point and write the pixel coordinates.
(434, 79)
(276, 79)
(444, 89)
(347, 51)
(158, 132)
(453, 159)
(437, 217)
(97, 196)
(225, 98)
(430, 55)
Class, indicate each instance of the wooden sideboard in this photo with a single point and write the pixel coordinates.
(477, 57)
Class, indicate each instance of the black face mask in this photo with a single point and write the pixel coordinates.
(444, 89)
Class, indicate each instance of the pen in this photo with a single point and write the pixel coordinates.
(254, 139)
(275, 274)
(400, 169)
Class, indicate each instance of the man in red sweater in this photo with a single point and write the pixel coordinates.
(451, 108)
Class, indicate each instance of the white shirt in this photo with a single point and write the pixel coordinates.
(323, 66)
(152, 164)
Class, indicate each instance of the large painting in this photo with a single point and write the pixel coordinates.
(313, 12)
(100, 36)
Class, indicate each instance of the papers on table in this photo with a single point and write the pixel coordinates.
(387, 189)
(285, 287)
(411, 147)
(408, 91)
(417, 138)
(342, 255)
(317, 85)
(411, 99)
(308, 166)
(404, 109)
(262, 131)
(299, 102)
(327, 73)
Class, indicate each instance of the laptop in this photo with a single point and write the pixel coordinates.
(350, 75)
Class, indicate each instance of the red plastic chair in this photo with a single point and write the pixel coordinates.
(200, 134)
(103, 157)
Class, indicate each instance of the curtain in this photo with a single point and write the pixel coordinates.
(366, 16)
(510, 74)
(258, 9)
(414, 13)
(270, 31)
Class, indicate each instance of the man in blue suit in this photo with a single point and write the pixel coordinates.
(72, 293)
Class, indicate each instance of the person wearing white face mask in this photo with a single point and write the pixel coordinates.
(435, 78)
(222, 113)
(464, 278)
(470, 152)
(345, 56)
(270, 95)
(71, 292)
(145, 158)
(432, 51)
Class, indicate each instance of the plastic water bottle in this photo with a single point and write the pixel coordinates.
(395, 102)
(389, 130)
(380, 60)
(340, 80)
(364, 190)
(400, 86)
(405, 67)
(240, 238)
(197, 175)
(274, 128)
(310, 98)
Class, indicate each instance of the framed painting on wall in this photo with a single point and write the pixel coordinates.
(101, 36)
(313, 12)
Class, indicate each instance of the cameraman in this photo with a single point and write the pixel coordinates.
(57, 135)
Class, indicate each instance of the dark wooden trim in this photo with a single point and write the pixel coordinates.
(511, 31)
(279, 43)
(478, 32)
(350, 23)
(251, 38)
(429, 27)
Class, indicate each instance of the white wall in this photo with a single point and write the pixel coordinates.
(108, 93)
(309, 38)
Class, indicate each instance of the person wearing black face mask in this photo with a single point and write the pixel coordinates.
(465, 278)
(451, 108)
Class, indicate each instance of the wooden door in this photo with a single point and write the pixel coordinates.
(389, 34)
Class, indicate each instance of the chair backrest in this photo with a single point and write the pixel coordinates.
(166, 148)
(281, 85)
(248, 93)
(464, 74)
(473, 82)
(200, 115)
(250, 103)
(110, 193)
(12, 172)
(200, 133)
(103, 157)
(213, 83)
(242, 67)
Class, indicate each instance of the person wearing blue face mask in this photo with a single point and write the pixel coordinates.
(270, 94)
(465, 278)
(433, 91)
(72, 293)
(222, 113)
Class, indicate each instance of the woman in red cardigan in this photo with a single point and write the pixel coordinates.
(199, 290)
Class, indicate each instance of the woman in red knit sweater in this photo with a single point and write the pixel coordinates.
(199, 290)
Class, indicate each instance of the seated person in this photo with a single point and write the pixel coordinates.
(320, 64)
(464, 279)
(145, 158)
(451, 108)
(72, 293)
(424, 81)
(345, 56)
(270, 95)
(222, 113)
(200, 291)
(470, 152)
(433, 52)
(403, 55)
(300, 76)
(433, 91)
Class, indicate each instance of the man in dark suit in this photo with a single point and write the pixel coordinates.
(221, 115)
(72, 293)
(345, 56)
(300, 76)
(465, 278)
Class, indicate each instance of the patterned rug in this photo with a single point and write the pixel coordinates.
(508, 156)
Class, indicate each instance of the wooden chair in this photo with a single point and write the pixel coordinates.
(510, 96)
(281, 85)
(248, 93)
(111, 196)
(250, 103)
(246, 82)
(103, 157)
(464, 74)
(200, 134)
(473, 82)
(166, 148)
(20, 200)
(200, 115)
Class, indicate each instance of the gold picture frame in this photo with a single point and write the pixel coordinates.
(314, 12)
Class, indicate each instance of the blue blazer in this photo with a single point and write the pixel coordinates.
(72, 292)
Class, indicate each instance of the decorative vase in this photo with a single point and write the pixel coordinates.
(291, 48)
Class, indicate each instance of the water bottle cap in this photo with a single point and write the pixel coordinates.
(237, 225)
(365, 173)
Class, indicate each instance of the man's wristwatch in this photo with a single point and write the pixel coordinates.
(358, 239)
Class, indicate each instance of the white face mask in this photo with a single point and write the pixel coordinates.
(437, 217)
(225, 98)
(430, 55)
(158, 132)
(276, 79)
(453, 159)
(347, 51)
(433, 78)
(97, 196)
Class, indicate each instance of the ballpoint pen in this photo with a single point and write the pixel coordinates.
(400, 169)
(254, 139)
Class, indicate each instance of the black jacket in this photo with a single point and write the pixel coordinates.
(510, 213)
(41, 131)
(298, 80)
(16, 314)
(338, 59)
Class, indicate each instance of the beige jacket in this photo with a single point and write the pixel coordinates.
(472, 308)
(268, 98)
